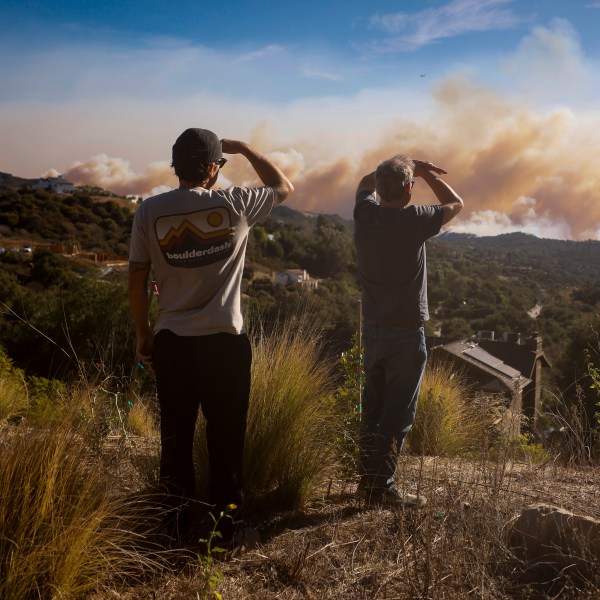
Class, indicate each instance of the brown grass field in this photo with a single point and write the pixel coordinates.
(78, 519)
(454, 548)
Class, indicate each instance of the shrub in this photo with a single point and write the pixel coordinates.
(63, 532)
(46, 401)
(449, 422)
(288, 442)
(347, 408)
(13, 397)
(13, 391)
(523, 448)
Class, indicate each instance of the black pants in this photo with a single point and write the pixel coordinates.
(211, 372)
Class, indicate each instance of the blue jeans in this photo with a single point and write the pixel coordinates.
(394, 364)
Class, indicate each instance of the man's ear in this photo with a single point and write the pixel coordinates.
(213, 169)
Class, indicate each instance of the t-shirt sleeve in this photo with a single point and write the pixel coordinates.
(254, 202)
(138, 248)
(363, 198)
(430, 219)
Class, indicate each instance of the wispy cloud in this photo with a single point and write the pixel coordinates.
(593, 5)
(316, 73)
(270, 50)
(412, 31)
(555, 55)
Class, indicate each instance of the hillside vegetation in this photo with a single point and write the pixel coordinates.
(79, 442)
(80, 517)
(515, 282)
(73, 219)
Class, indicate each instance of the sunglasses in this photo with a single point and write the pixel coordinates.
(221, 162)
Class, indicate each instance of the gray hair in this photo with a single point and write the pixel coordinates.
(393, 175)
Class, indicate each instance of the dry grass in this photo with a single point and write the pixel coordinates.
(288, 444)
(142, 418)
(449, 422)
(67, 530)
(75, 519)
(453, 549)
(64, 531)
(288, 449)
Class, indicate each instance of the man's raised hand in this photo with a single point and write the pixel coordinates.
(424, 166)
(232, 146)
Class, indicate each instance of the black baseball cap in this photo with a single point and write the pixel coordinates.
(198, 144)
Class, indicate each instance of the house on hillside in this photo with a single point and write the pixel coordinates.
(296, 277)
(58, 185)
(508, 366)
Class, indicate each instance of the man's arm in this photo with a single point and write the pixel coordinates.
(366, 184)
(269, 173)
(451, 202)
(138, 300)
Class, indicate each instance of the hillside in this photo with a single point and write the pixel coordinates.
(307, 220)
(11, 182)
(82, 219)
(560, 260)
(512, 282)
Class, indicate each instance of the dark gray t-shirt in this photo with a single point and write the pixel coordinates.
(390, 254)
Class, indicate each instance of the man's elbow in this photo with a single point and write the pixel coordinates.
(283, 191)
(452, 209)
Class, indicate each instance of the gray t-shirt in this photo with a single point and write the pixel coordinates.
(196, 241)
(390, 255)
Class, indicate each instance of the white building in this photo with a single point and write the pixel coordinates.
(58, 185)
(296, 277)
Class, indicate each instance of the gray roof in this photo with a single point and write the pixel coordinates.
(476, 356)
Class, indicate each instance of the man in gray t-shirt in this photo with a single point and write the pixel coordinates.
(390, 240)
(194, 240)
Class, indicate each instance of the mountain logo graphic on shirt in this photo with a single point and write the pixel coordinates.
(195, 239)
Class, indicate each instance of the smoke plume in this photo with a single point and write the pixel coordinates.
(117, 175)
(516, 168)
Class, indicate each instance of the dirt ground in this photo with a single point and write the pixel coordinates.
(455, 547)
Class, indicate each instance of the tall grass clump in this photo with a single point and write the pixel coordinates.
(63, 531)
(13, 397)
(13, 389)
(449, 421)
(288, 441)
(142, 418)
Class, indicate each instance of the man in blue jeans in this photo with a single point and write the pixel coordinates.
(390, 237)
(194, 240)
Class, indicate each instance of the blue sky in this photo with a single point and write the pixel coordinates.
(99, 91)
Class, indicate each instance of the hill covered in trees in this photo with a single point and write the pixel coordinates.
(513, 282)
(86, 219)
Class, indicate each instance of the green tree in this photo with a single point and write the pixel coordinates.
(50, 270)
(578, 366)
(333, 250)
